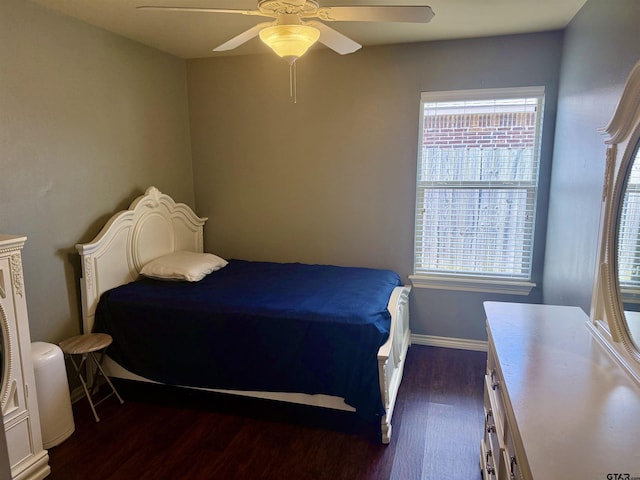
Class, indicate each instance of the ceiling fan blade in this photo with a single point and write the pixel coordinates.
(201, 10)
(412, 14)
(334, 39)
(242, 38)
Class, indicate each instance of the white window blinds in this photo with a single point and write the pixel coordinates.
(629, 236)
(477, 183)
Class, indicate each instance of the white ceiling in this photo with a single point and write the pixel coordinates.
(193, 35)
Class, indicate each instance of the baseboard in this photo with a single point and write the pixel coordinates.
(449, 342)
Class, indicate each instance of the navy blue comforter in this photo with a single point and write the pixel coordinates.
(257, 326)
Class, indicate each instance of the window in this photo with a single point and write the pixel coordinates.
(477, 184)
(629, 237)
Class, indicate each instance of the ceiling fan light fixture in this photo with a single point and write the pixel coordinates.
(290, 41)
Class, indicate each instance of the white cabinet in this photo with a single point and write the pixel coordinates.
(557, 404)
(19, 401)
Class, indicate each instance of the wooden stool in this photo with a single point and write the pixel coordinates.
(88, 345)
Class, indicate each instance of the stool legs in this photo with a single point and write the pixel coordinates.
(89, 392)
(99, 365)
(78, 369)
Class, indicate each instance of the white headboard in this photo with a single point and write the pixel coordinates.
(154, 225)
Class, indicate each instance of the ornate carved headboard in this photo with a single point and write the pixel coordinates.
(154, 225)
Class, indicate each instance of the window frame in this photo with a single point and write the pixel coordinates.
(465, 281)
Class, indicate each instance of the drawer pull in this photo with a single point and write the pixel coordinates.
(494, 383)
(491, 470)
(489, 416)
(491, 429)
(488, 456)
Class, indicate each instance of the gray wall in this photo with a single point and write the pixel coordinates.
(601, 46)
(88, 120)
(331, 179)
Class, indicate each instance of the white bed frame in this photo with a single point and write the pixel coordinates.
(155, 225)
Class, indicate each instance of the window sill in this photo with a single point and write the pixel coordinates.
(508, 287)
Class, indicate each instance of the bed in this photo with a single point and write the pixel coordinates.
(345, 353)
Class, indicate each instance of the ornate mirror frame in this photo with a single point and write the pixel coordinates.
(607, 312)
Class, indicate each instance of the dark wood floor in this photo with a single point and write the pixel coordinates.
(165, 433)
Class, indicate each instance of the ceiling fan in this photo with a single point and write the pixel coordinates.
(291, 34)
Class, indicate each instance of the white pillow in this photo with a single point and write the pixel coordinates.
(183, 265)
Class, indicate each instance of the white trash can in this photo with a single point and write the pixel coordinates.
(54, 400)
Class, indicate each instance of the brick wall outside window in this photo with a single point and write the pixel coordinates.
(484, 130)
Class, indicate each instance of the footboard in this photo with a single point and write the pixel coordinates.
(392, 354)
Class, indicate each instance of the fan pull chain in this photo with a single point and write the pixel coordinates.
(293, 90)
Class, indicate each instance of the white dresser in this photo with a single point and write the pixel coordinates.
(557, 405)
(17, 393)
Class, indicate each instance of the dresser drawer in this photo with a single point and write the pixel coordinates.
(508, 467)
(509, 461)
(494, 407)
(487, 462)
(493, 432)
